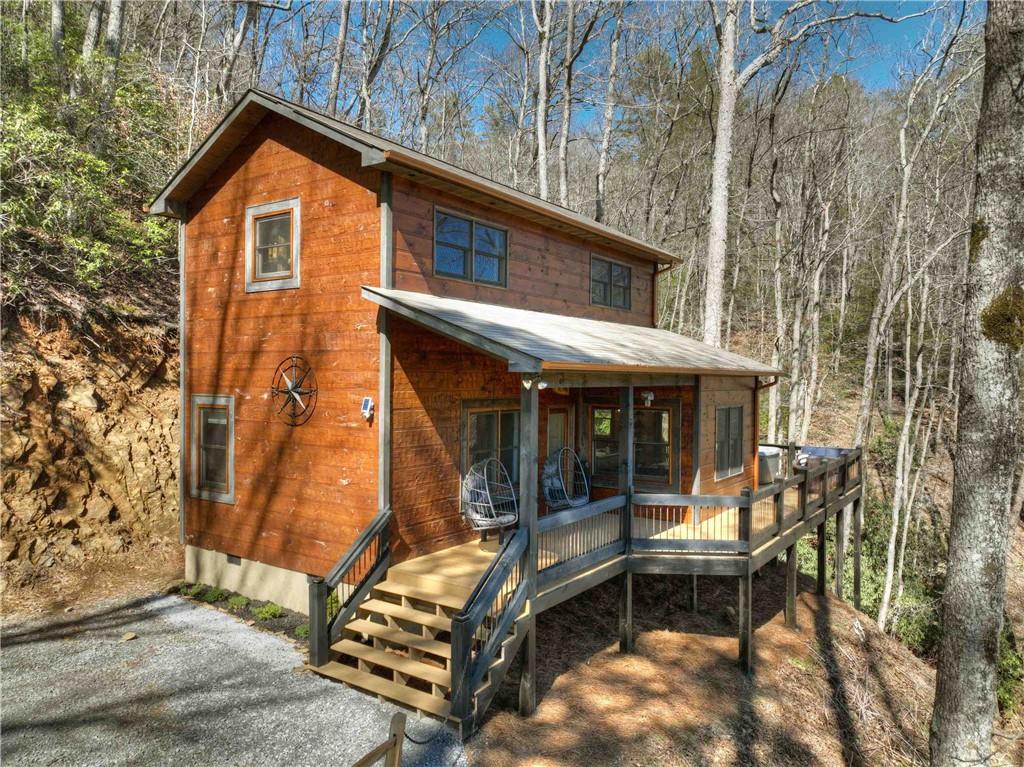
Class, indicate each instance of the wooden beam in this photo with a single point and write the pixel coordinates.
(626, 612)
(528, 437)
(746, 626)
(675, 564)
(584, 380)
(821, 559)
(858, 521)
(840, 551)
(792, 574)
(578, 583)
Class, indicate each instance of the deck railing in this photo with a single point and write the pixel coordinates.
(575, 539)
(485, 621)
(333, 599)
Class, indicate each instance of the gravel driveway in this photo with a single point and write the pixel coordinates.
(196, 687)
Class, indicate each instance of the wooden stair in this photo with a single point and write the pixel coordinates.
(398, 646)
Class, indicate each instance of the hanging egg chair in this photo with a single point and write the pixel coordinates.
(488, 497)
(565, 481)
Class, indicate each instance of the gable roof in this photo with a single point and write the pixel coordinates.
(533, 342)
(378, 152)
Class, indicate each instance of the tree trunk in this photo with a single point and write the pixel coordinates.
(57, 41)
(339, 59)
(563, 136)
(718, 229)
(92, 30)
(543, 22)
(112, 49)
(224, 85)
(609, 116)
(988, 450)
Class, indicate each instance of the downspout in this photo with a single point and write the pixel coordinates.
(182, 381)
(387, 258)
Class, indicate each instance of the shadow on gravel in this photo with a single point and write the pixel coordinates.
(111, 618)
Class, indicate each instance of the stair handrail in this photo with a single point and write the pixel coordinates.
(469, 667)
(372, 550)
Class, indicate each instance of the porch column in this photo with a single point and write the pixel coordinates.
(858, 520)
(746, 626)
(840, 552)
(792, 573)
(626, 488)
(528, 436)
(821, 560)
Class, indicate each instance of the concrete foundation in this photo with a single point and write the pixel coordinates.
(244, 576)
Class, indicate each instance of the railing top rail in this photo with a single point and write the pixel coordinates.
(568, 516)
(496, 572)
(660, 499)
(377, 524)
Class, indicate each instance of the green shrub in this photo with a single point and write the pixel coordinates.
(302, 631)
(268, 612)
(238, 602)
(192, 589)
(213, 594)
(1010, 692)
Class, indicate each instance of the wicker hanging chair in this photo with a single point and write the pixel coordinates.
(488, 497)
(565, 481)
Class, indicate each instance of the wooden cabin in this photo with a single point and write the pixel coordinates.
(362, 324)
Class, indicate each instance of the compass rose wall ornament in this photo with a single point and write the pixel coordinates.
(294, 391)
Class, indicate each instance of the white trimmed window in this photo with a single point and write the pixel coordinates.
(213, 447)
(272, 246)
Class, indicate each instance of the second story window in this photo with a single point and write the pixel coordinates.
(609, 283)
(469, 250)
(272, 246)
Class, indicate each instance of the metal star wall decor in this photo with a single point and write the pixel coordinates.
(294, 391)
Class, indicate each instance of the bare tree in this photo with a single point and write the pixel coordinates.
(609, 111)
(542, 20)
(57, 40)
(338, 62)
(989, 446)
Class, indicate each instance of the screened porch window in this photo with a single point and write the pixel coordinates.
(494, 434)
(469, 250)
(604, 442)
(652, 445)
(729, 441)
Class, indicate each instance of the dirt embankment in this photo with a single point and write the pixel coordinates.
(90, 446)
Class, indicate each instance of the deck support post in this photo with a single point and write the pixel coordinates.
(745, 623)
(840, 552)
(319, 632)
(858, 521)
(626, 612)
(821, 560)
(792, 573)
(528, 438)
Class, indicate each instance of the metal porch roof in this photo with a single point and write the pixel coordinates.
(537, 341)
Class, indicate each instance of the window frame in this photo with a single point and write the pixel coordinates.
(611, 262)
(673, 445)
(729, 471)
(603, 480)
(498, 406)
(253, 214)
(471, 276)
(199, 403)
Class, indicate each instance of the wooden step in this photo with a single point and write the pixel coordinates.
(408, 614)
(407, 696)
(399, 663)
(399, 637)
(397, 589)
(457, 587)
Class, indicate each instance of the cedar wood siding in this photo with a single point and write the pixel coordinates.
(547, 271)
(301, 494)
(716, 392)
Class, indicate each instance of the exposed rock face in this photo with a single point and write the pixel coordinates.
(90, 443)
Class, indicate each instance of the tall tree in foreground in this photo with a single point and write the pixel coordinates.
(988, 449)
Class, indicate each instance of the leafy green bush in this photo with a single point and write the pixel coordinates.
(192, 589)
(302, 631)
(1010, 692)
(213, 594)
(238, 602)
(268, 611)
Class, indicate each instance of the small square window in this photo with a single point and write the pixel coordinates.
(609, 283)
(469, 250)
(272, 246)
(212, 447)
